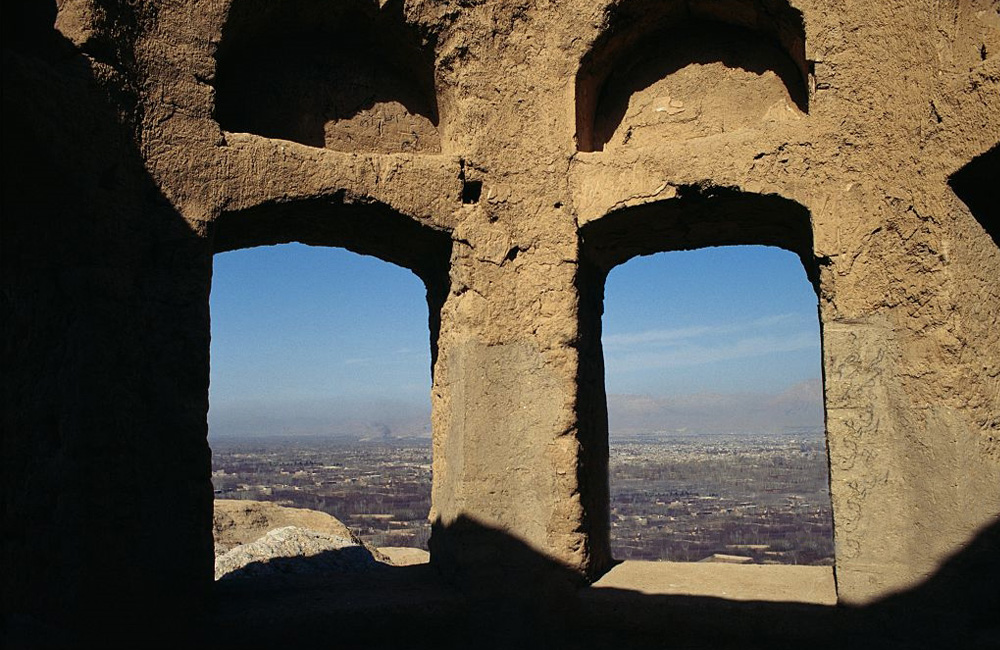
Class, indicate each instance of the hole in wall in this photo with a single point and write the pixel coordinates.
(471, 191)
(716, 419)
(351, 317)
(345, 76)
(702, 216)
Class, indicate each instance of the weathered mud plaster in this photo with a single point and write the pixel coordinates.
(510, 154)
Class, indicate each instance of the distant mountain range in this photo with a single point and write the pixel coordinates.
(798, 407)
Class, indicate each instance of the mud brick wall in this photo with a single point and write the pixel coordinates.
(510, 154)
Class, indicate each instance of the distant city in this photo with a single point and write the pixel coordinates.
(682, 497)
(761, 498)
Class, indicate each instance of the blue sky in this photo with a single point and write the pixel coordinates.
(321, 340)
(726, 319)
(316, 340)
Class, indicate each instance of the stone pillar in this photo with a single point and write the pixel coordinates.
(912, 479)
(520, 476)
(508, 448)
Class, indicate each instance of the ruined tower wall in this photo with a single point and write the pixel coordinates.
(510, 154)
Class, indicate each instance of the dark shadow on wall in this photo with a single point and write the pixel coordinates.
(518, 598)
(978, 186)
(106, 492)
(954, 608)
(592, 418)
(386, 608)
(290, 70)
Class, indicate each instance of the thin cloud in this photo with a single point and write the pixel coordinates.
(660, 336)
(668, 336)
(695, 354)
(397, 357)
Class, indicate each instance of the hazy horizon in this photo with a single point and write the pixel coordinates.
(798, 408)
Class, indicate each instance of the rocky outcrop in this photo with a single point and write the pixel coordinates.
(405, 555)
(237, 522)
(294, 550)
(256, 538)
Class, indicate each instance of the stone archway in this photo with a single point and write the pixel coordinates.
(698, 216)
(364, 226)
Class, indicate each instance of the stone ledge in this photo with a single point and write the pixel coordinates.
(761, 582)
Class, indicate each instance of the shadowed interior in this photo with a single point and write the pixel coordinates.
(347, 76)
(976, 184)
(112, 166)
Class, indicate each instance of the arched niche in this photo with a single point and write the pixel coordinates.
(349, 76)
(686, 68)
(358, 225)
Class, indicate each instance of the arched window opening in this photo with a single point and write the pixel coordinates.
(715, 405)
(319, 403)
(704, 220)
